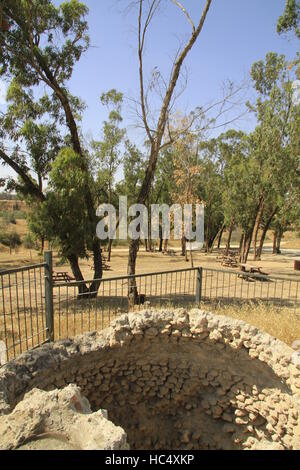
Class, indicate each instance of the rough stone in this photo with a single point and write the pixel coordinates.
(209, 383)
(59, 419)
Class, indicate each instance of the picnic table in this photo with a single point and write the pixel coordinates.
(105, 266)
(169, 252)
(229, 260)
(246, 268)
(61, 276)
(252, 269)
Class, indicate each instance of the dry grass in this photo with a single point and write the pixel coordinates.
(282, 323)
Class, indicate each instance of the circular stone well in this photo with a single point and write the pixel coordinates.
(174, 380)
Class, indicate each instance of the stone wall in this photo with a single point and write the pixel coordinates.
(174, 380)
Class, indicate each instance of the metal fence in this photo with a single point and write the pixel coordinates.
(35, 310)
(22, 311)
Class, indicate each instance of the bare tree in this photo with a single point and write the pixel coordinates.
(156, 136)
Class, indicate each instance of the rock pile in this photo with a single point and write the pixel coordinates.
(174, 380)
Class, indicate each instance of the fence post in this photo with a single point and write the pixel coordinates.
(49, 295)
(199, 285)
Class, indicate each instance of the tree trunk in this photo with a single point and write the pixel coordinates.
(191, 255)
(278, 241)
(274, 241)
(109, 250)
(220, 236)
(229, 240)
(149, 226)
(82, 288)
(256, 227)
(241, 247)
(183, 246)
(42, 244)
(207, 234)
(156, 140)
(91, 210)
(92, 290)
(160, 239)
(248, 245)
(264, 233)
(249, 234)
(243, 251)
(132, 288)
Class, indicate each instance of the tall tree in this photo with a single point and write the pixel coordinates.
(156, 134)
(42, 46)
(107, 152)
(274, 140)
(290, 20)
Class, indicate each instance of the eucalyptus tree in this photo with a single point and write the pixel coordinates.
(163, 187)
(290, 20)
(274, 141)
(157, 134)
(107, 153)
(40, 50)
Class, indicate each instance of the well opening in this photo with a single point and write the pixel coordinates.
(177, 380)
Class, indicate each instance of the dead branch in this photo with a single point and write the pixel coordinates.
(185, 12)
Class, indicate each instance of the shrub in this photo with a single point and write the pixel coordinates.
(9, 218)
(19, 214)
(29, 242)
(11, 239)
(4, 238)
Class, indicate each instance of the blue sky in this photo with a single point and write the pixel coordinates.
(236, 34)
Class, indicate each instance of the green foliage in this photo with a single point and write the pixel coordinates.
(11, 217)
(55, 36)
(134, 170)
(275, 142)
(8, 217)
(63, 214)
(11, 239)
(19, 214)
(106, 153)
(290, 20)
(266, 74)
(8, 197)
(29, 242)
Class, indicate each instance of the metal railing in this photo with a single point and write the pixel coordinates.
(22, 311)
(35, 310)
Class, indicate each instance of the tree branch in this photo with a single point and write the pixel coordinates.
(185, 12)
(31, 186)
(142, 34)
(176, 71)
